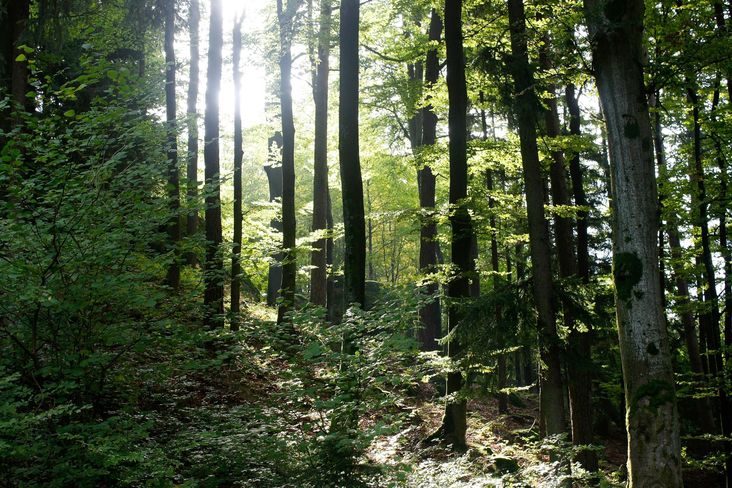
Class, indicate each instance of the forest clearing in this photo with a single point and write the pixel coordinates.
(365, 243)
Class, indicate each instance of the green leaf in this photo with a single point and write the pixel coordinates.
(69, 113)
(21, 57)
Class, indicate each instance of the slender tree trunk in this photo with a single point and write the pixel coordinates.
(454, 422)
(18, 12)
(370, 235)
(192, 113)
(652, 422)
(273, 170)
(674, 240)
(711, 298)
(727, 285)
(579, 356)
(551, 396)
(318, 272)
(173, 274)
(430, 314)
(580, 373)
(289, 227)
(495, 265)
(703, 406)
(578, 189)
(238, 156)
(329, 253)
(701, 221)
(496, 268)
(348, 151)
(213, 299)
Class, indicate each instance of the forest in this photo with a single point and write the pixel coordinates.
(365, 243)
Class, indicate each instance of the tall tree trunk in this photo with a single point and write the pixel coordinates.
(711, 315)
(192, 114)
(652, 422)
(273, 170)
(727, 257)
(674, 240)
(18, 13)
(238, 156)
(348, 152)
(578, 189)
(579, 356)
(495, 263)
(454, 423)
(370, 233)
(14, 73)
(580, 361)
(701, 221)
(496, 268)
(173, 274)
(318, 271)
(329, 253)
(710, 292)
(289, 227)
(213, 298)
(430, 314)
(551, 396)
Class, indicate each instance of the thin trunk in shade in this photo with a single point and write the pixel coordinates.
(550, 374)
(238, 156)
(318, 256)
(173, 273)
(285, 16)
(213, 296)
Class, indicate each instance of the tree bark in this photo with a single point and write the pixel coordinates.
(213, 299)
(674, 240)
(348, 152)
(289, 262)
(495, 264)
(273, 170)
(173, 274)
(652, 422)
(238, 156)
(701, 221)
(14, 74)
(430, 314)
(192, 113)
(318, 258)
(579, 355)
(454, 422)
(551, 395)
(580, 375)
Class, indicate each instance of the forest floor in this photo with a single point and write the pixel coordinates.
(247, 406)
(503, 450)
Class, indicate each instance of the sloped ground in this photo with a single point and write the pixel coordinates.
(503, 451)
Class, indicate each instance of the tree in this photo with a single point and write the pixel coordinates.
(348, 153)
(14, 73)
(454, 422)
(173, 275)
(579, 365)
(236, 270)
(192, 118)
(289, 264)
(552, 396)
(273, 170)
(430, 313)
(652, 423)
(318, 256)
(213, 298)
